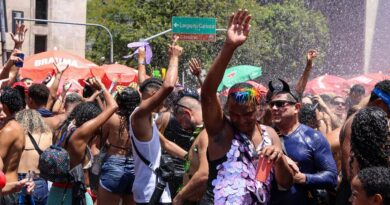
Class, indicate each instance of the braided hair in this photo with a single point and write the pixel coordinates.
(369, 137)
(150, 84)
(128, 99)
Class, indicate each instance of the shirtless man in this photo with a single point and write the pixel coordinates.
(234, 140)
(11, 140)
(195, 179)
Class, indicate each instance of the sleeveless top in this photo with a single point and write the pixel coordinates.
(146, 180)
(235, 182)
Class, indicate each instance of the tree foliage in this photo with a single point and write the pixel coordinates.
(281, 33)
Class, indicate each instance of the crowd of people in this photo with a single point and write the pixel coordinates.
(162, 143)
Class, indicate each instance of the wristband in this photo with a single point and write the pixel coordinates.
(141, 62)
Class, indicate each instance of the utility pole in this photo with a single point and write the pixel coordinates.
(2, 30)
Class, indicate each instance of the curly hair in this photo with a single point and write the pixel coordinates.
(150, 84)
(80, 114)
(307, 114)
(39, 93)
(12, 99)
(86, 111)
(369, 137)
(32, 121)
(376, 180)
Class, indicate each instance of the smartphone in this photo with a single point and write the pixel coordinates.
(20, 63)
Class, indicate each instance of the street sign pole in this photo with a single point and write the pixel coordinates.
(79, 24)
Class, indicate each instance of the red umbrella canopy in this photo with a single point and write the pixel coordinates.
(327, 84)
(368, 80)
(38, 66)
(116, 72)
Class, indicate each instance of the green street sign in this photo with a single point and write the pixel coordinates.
(190, 28)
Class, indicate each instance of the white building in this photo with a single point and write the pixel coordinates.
(48, 36)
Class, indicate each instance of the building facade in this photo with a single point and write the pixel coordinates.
(40, 36)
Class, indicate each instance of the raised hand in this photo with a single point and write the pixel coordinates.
(66, 86)
(238, 28)
(19, 36)
(311, 55)
(195, 67)
(141, 53)
(60, 66)
(175, 50)
(14, 58)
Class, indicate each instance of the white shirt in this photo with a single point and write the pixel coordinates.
(145, 178)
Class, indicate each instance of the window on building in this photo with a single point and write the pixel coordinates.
(40, 44)
(41, 10)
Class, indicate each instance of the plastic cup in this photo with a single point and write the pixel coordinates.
(263, 169)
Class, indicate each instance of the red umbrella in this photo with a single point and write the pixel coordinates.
(327, 84)
(38, 66)
(116, 72)
(368, 80)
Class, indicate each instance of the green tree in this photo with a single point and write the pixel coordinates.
(280, 35)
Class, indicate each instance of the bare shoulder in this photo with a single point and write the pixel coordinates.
(13, 128)
(272, 133)
(12, 132)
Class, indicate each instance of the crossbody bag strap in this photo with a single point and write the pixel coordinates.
(35, 144)
(147, 162)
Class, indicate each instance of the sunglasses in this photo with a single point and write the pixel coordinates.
(280, 103)
(338, 103)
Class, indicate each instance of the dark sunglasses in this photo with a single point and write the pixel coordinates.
(338, 103)
(280, 103)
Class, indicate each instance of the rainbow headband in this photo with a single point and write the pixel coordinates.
(245, 95)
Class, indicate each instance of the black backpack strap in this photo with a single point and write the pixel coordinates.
(147, 162)
(35, 144)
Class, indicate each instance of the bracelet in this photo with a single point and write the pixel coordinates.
(141, 62)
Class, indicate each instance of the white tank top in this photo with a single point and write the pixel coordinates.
(145, 178)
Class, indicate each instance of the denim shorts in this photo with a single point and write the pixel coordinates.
(40, 194)
(117, 174)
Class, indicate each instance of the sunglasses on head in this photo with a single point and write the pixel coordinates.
(280, 103)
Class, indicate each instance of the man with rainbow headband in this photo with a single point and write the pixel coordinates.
(237, 140)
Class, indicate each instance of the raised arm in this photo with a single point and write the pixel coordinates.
(60, 69)
(143, 114)
(301, 85)
(141, 65)
(196, 69)
(84, 133)
(237, 33)
(19, 36)
(9, 69)
(172, 148)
